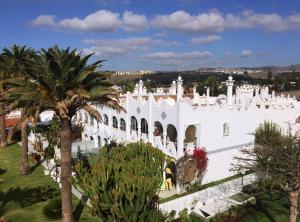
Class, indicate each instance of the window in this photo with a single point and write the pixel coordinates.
(122, 125)
(86, 118)
(134, 124)
(115, 122)
(79, 116)
(105, 119)
(225, 129)
(92, 121)
(144, 126)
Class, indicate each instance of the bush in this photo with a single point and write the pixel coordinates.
(233, 214)
(260, 186)
(122, 182)
(52, 210)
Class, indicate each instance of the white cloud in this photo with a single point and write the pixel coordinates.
(115, 47)
(176, 59)
(185, 22)
(185, 55)
(99, 21)
(44, 20)
(246, 53)
(205, 39)
(214, 21)
(134, 22)
(102, 21)
(181, 21)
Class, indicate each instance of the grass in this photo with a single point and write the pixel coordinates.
(24, 196)
(270, 207)
(196, 188)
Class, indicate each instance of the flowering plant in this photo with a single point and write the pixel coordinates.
(200, 155)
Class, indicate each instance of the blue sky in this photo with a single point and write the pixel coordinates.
(160, 34)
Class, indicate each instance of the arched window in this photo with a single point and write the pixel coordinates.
(115, 122)
(190, 134)
(92, 121)
(86, 118)
(79, 116)
(172, 133)
(225, 129)
(144, 126)
(122, 124)
(105, 119)
(158, 129)
(134, 124)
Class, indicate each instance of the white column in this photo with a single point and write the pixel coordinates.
(207, 92)
(128, 95)
(229, 84)
(139, 130)
(180, 132)
(179, 89)
(165, 137)
(150, 124)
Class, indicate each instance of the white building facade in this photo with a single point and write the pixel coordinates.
(176, 122)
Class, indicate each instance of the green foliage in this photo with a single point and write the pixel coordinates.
(51, 134)
(184, 216)
(234, 213)
(268, 133)
(122, 182)
(260, 186)
(52, 210)
(129, 87)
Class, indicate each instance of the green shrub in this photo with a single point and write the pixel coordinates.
(260, 186)
(122, 182)
(52, 210)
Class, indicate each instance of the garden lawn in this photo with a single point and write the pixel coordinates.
(24, 195)
(270, 208)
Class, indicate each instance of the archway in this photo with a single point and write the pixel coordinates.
(158, 129)
(134, 124)
(105, 119)
(144, 126)
(86, 118)
(79, 116)
(172, 133)
(115, 122)
(190, 134)
(99, 141)
(122, 124)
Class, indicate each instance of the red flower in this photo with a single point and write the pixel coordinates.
(200, 155)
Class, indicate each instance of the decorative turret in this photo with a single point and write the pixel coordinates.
(172, 90)
(207, 91)
(229, 84)
(179, 88)
(140, 88)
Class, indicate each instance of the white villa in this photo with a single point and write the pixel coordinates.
(176, 122)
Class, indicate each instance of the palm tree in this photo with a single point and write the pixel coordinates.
(63, 81)
(3, 75)
(20, 58)
(212, 82)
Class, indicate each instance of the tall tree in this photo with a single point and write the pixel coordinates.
(3, 75)
(276, 156)
(213, 83)
(62, 80)
(20, 58)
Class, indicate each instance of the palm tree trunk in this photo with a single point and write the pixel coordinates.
(66, 170)
(293, 198)
(24, 156)
(3, 139)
